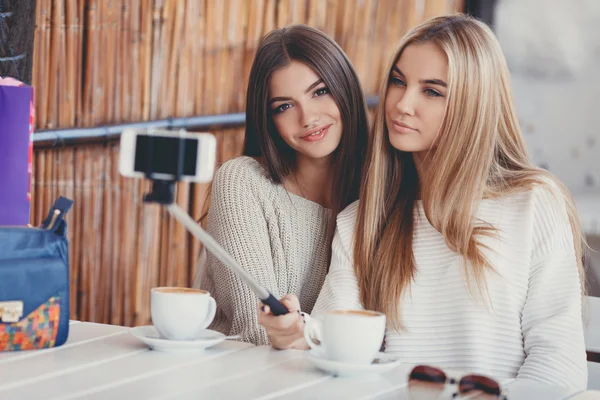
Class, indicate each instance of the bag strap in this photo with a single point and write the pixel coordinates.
(55, 219)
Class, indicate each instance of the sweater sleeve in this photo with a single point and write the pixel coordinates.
(340, 290)
(237, 221)
(552, 324)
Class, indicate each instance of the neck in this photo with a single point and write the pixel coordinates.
(313, 179)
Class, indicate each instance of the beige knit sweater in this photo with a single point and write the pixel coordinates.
(278, 237)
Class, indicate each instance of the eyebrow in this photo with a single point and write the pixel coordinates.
(311, 87)
(437, 82)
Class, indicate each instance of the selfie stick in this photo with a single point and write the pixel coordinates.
(163, 193)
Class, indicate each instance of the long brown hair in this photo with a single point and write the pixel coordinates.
(319, 52)
(480, 154)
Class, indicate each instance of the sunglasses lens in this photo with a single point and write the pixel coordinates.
(426, 383)
(423, 373)
(481, 384)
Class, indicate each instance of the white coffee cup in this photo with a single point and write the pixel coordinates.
(181, 313)
(350, 336)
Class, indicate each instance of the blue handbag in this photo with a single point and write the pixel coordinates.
(34, 283)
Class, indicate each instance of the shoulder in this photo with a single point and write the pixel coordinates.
(546, 200)
(543, 211)
(240, 182)
(244, 176)
(348, 215)
(550, 199)
(241, 170)
(551, 218)
(346, 223)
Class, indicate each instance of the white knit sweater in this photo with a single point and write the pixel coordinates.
(533, 329)
(278, 237)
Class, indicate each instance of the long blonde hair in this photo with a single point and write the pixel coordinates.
(480, 154)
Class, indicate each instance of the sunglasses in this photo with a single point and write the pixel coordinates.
(467, 384)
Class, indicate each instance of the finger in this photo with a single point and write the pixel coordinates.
(278, 323)
(262, 307)
(291, 301)
(290, 296)
(290, 305)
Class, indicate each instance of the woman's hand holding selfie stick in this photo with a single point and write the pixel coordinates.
(286, 331)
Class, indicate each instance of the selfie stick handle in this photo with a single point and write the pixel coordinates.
(213, 246)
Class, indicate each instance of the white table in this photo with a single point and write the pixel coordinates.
(106, 362)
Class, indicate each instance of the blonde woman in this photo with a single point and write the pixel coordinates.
(473, 253)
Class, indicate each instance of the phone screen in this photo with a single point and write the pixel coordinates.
(158, 154)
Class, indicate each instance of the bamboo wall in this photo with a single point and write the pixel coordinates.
(106, 61)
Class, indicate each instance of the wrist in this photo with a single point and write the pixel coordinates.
(301, 344)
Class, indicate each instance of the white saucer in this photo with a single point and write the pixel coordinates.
(206, 338)
(382, 363)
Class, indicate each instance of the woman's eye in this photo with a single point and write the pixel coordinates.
(394, 80)
(432, 93)
(281, 108)
(322, 92)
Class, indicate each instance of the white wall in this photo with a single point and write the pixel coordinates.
(553, 51)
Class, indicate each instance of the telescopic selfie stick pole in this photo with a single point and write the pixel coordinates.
(163, 193)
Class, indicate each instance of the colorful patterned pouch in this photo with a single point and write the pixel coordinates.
(34, 283)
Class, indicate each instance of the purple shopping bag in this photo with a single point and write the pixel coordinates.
(16, 129)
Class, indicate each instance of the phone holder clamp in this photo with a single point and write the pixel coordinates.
(163, 191)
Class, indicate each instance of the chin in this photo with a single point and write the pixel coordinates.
(320, 150)
(408, 145)
(320, 153)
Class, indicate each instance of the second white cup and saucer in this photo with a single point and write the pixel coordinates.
(180, 317)
(348, 343)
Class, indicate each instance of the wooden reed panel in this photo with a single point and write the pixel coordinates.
(38, 198)
(66, 187)
(119, 247)
(87, 230)
(127, 60)
(78, 228)
(115, 245)
(38, 39)
(198, 13)
(98, 62)
(91, 65)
